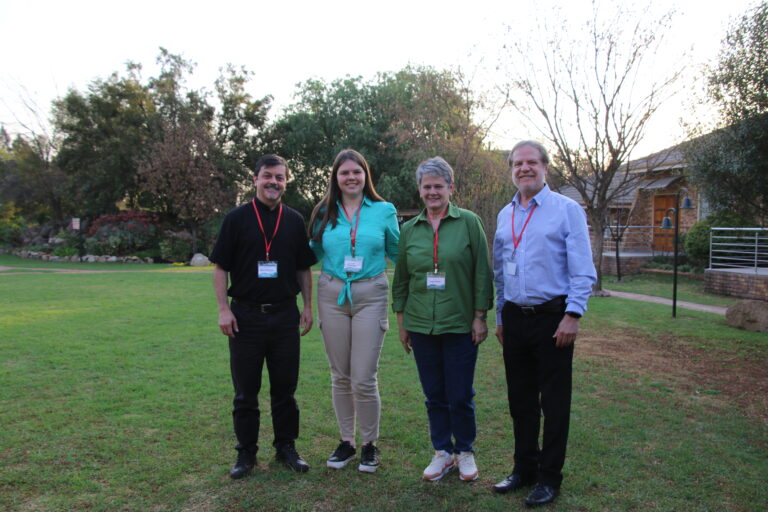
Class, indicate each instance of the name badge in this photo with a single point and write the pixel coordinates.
(353, 263)
(510, 268)
(267, 269)
(435, 280)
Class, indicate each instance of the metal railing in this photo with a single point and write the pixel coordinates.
(738, 248)
(650, 240)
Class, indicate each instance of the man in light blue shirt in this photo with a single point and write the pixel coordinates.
(544, 274)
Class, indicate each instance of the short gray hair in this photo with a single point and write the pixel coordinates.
(535, 145)
(435, 166)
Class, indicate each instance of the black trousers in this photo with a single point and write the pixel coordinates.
(273, 337)
(538, 382)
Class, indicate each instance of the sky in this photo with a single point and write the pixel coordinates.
(49, 47)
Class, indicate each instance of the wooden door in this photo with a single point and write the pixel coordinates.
(663, 239)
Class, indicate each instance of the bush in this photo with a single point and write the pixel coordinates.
(122, 234)
(66, 251)
(697, 238)
(11, 226)
(176, 246)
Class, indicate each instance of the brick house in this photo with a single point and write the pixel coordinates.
(639, 209)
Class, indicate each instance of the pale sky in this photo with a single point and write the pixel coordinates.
(51, 46)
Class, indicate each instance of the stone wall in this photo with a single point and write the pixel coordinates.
(744, 285)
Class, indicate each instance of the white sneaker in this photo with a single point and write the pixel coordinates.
(467, 466)
(441, 464)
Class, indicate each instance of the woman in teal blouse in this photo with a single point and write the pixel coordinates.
(441, 292)
(353, 230)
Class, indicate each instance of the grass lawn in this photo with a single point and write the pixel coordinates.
(660, 285)
(115, 395)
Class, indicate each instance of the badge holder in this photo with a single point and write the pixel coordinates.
(353, 264)
(267, 269)
(435, 280)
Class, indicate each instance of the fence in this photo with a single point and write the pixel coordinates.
(738, 248)
(650, 240)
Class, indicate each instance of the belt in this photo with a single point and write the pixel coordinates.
(556, 305)
(262, 307)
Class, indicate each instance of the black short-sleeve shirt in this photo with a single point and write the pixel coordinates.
(240, 246)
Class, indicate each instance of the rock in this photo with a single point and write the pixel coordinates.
(90, 258)
(748, 315)
(75, 259)
(199, 260)
(112, 259)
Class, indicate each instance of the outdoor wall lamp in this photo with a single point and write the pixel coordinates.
(666, 223)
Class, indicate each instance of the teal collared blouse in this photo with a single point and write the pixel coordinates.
(462, 256)
(378, 235)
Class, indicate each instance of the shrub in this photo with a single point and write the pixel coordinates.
(697, 238)
(11, 226)
(122, 234)
(66, 251)
(176, 246)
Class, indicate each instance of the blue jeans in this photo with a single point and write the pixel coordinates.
(446, 364)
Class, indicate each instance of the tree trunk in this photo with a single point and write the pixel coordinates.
(598, 228)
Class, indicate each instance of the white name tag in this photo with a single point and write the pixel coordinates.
(435, 280)
(353, 263)
(510, 268)
(267, 269)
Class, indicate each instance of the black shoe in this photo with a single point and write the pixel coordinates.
(243, 465)
(541, 495)
(369, 458)
(513, 482)
(287, 455)
(341, 455)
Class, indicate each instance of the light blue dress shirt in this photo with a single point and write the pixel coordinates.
(554, 256)
(378, 235)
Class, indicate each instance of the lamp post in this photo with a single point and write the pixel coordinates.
(666, 223)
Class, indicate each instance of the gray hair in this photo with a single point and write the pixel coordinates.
(435, 166)
(535, 145)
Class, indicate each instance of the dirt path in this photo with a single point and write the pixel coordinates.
(718, 310)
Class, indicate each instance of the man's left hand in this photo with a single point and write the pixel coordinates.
(566, 332)
(306, 320)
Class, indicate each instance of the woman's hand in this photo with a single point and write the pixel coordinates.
(405, 337)
(479, 330)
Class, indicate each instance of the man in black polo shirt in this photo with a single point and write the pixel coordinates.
(263, 251)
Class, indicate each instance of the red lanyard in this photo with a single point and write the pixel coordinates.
(353, 232)
(516, 241)
(436, 239)
(268, 244)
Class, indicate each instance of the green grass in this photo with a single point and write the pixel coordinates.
(115, 395)
(660, 285)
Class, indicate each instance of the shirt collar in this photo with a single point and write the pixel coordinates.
(366, 201)
(538, 198)
(453, 211)
(264, 207)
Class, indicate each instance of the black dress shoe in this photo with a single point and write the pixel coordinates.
(512, 483)
(541, 495)
(244, 464)
(287, 455)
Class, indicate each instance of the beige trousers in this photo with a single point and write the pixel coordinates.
(353, 338)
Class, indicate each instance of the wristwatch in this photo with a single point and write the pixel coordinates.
(573, 315)
(481, 316)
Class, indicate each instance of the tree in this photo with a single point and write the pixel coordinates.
(31, 182)
(730, 165)
(396, 120)
(179, 173)
(104, 131)
(591, 100)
